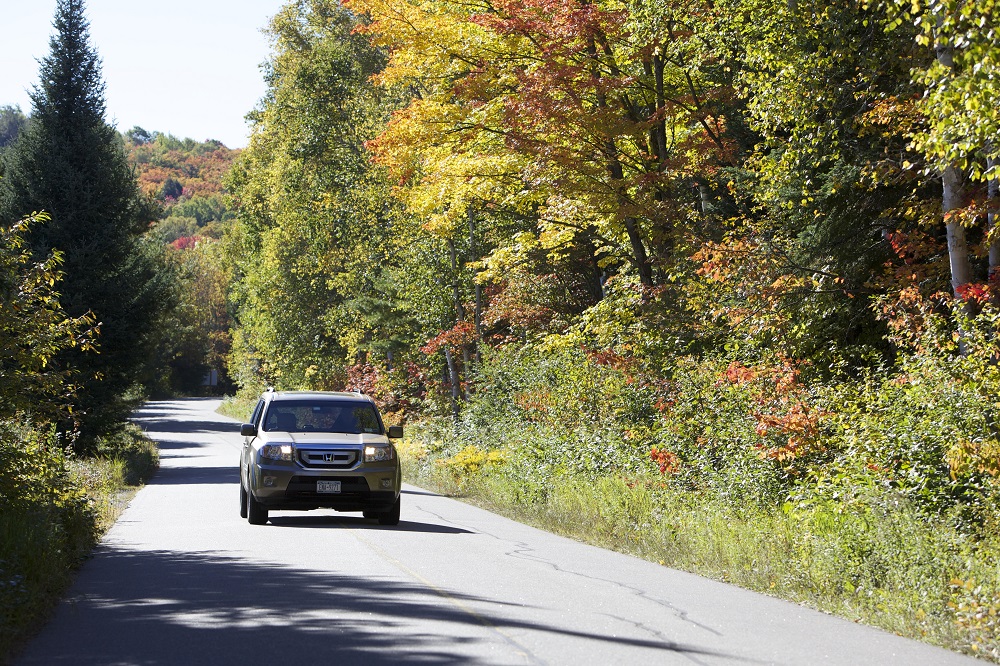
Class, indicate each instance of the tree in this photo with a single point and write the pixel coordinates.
(139, 136)
(961, 105)
(70, 163)
(12, 122)
(313, 220)
(34, 330)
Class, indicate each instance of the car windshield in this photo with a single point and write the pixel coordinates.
(322, 416)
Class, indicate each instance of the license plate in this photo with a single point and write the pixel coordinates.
(328, 486)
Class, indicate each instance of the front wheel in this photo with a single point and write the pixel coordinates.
(256, 512)
(390, 517)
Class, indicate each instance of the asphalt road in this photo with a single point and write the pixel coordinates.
(181, 579)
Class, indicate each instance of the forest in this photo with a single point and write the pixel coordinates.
(713, 283)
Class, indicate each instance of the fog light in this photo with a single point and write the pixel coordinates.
(269, 481)
(386, 484)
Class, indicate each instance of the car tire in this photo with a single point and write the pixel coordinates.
(390, 517)
(244, 500)
(256, 512)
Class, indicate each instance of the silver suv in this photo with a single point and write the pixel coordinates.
(308, 450)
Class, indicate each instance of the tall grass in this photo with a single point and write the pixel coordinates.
(239, 406)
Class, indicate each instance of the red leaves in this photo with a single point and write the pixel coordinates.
(558, 27)
(198, 167)
(535, 405)
(461, 334)
(186, 242)
(975, 292)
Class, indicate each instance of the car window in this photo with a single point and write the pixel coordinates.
(255, 415)
(322, 416)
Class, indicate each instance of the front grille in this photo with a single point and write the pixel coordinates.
(328, 458)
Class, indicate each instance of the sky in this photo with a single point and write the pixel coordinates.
(190, 68)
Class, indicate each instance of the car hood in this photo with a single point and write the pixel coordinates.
(330, 438)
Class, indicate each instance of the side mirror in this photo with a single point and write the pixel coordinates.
(248, 430)
(395, 432)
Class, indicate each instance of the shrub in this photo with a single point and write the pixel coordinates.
(46, 526)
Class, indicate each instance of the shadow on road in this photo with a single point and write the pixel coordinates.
(355, 522)
(189, 475)
(420, 492)
(186, 427)
(205, 608)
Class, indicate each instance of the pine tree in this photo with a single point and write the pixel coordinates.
(71, 164)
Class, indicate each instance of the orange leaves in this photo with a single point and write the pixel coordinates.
(199, 167)
(559, 27)
(788, 426)
(797, 426)
(527, 104)
(667, 461)
(534, 404)
(891, 117)
(745, 282)
(737, 373)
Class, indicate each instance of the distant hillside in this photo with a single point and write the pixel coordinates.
(185, 176)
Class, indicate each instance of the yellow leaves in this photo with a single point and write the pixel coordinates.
(970, 457)
(471, 460)
(494, 268)
(431, 42)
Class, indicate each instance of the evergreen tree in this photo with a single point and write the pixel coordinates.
(71, 164)
(12, 121)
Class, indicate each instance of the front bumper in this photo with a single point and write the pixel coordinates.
(368, 487)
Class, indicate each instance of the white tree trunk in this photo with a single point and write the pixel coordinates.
(952, 198)
(958, 248)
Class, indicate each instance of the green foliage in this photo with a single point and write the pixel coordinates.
(866, 554)
(310, 247)
(960, 103)
(34, 330)
(56, 506)
(185, 177)
(192, 337)
(46, 526)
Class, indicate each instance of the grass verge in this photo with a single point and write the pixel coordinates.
(237, 407)
(879, 563)
(56, 509)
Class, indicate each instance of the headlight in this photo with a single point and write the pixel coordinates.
(378, 453)
(276, 451)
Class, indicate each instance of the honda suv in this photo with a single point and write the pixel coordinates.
(310, 450)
